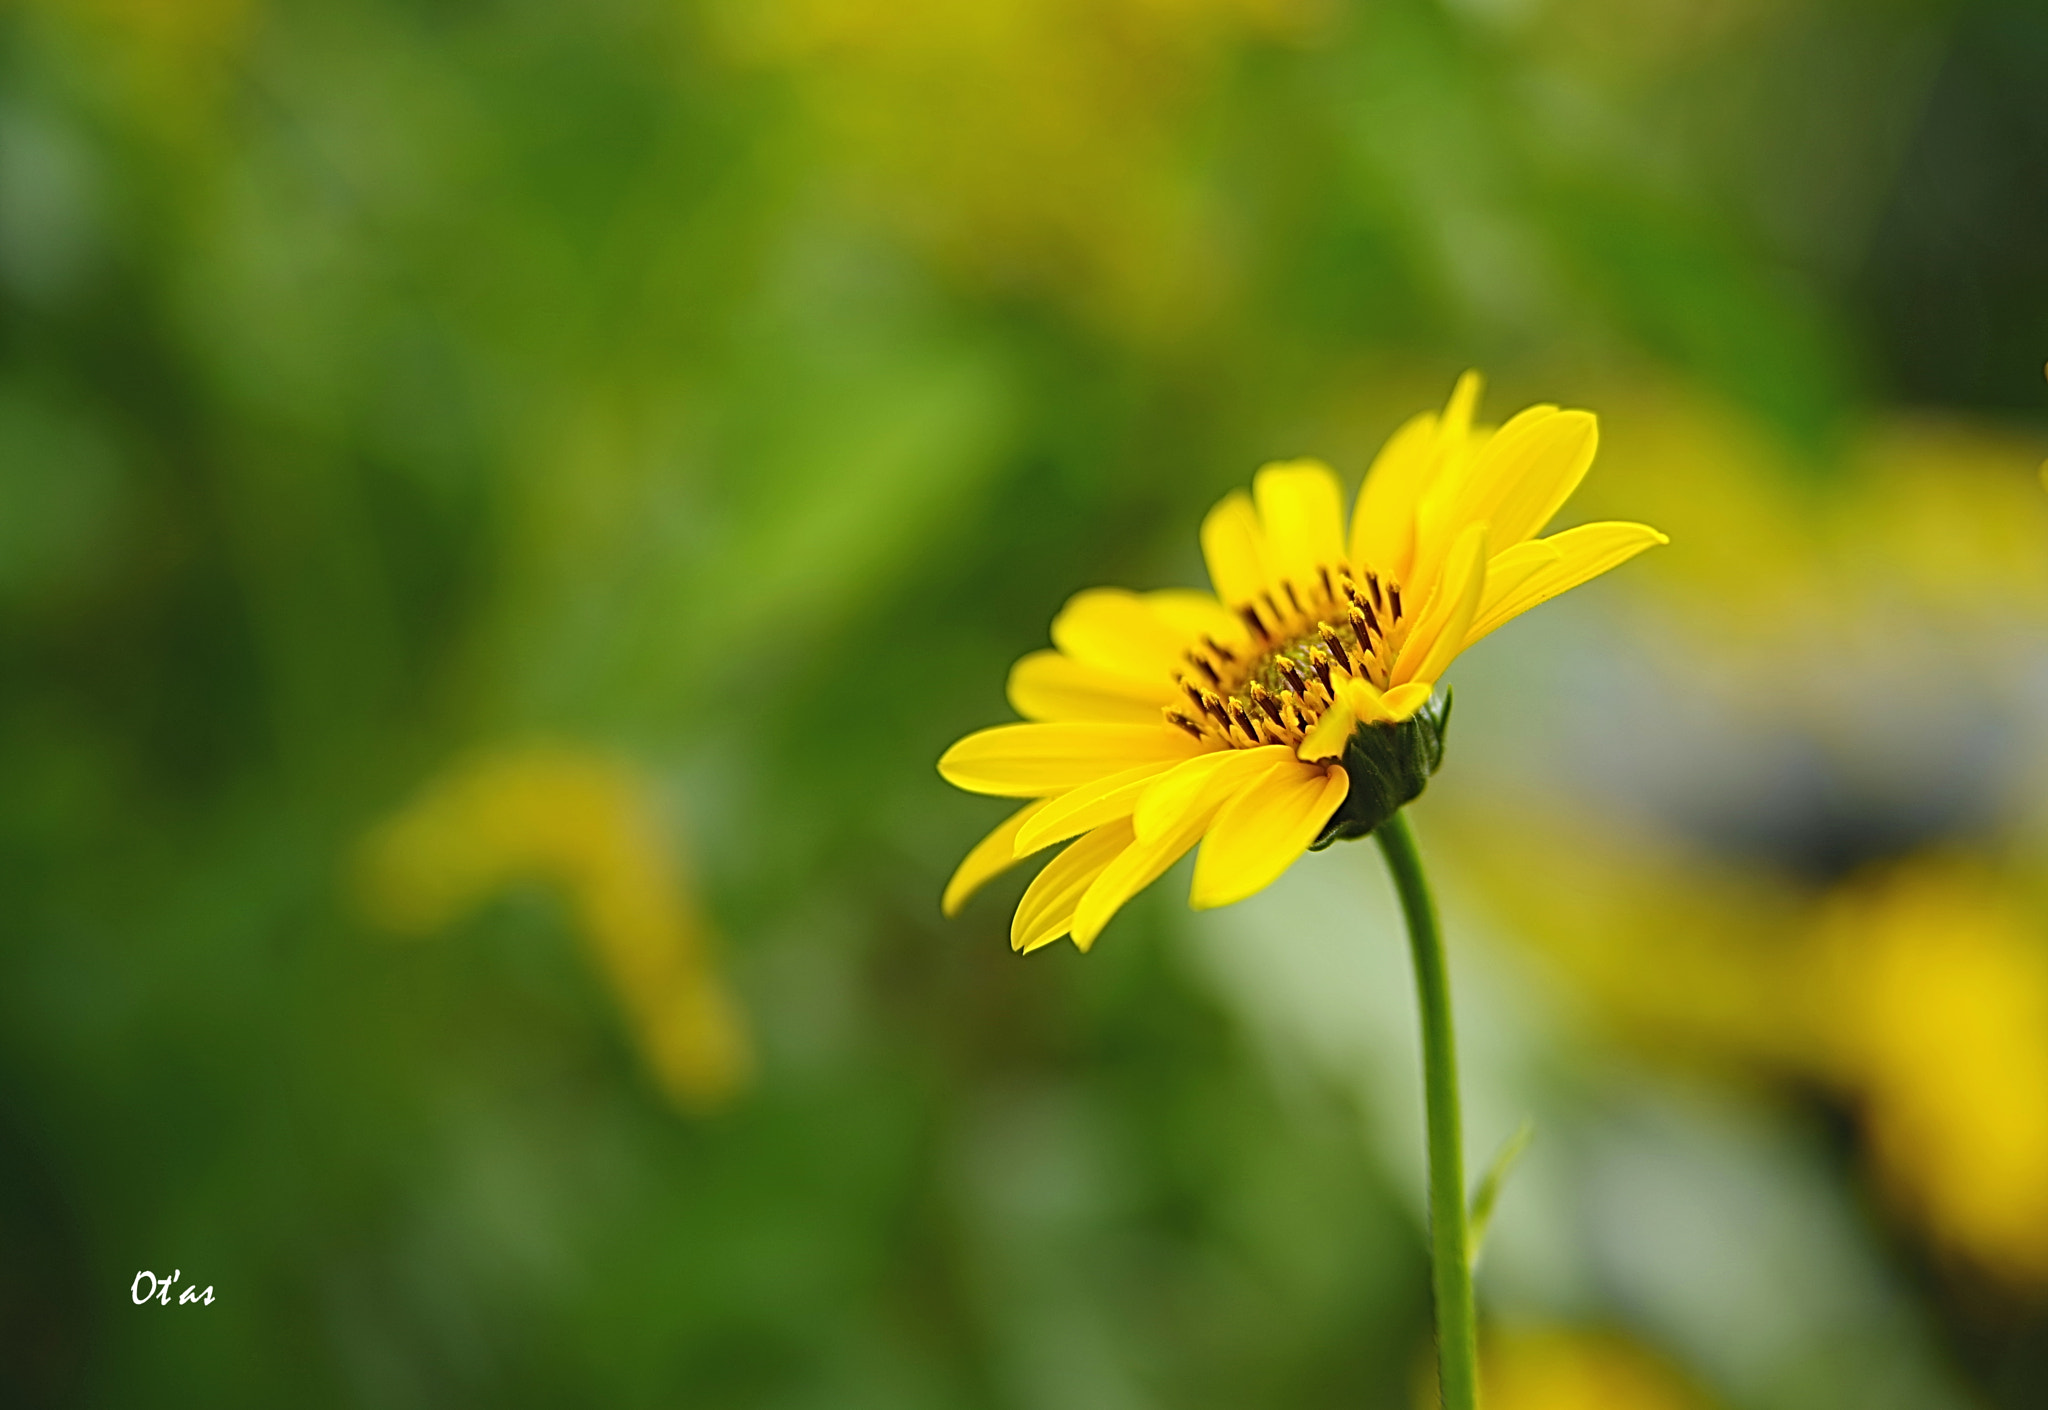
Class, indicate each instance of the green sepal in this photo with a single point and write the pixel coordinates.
(1389, 766)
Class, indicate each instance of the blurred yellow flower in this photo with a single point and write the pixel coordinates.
(1917, 990)
(585, 824)
(1938, 1022)
(1570, 1370)
(1169, 718)
(1035, 144)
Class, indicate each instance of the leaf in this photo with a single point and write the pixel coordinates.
(1488, 1193)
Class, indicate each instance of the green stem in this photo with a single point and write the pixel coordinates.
(1451, 1267)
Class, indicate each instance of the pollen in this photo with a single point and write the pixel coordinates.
(1304, 641)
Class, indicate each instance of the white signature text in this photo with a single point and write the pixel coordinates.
(160, 1289)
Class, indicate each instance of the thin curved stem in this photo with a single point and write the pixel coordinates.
(1450, 1263)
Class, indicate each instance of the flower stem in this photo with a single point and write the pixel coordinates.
(1450, 1264)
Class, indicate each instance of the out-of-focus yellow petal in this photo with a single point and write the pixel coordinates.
(1038, 760)
(991, 857)
(1439, 634)
(1196, 614)
(1258, 835)
(588, 825)
(1582, 554)
(1572, 1370)
(1052, 686)
(1183, 788)
(1234, 549)
(1117, 631)
(1047, 910)
(1089, 806)
(1301, 511)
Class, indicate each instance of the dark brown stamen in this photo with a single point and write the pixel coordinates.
(1336, 645)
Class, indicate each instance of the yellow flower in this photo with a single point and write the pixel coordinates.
(1578, 1370)
(586, 824)
(1246, 719)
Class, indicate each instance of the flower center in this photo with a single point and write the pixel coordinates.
(1304, 641)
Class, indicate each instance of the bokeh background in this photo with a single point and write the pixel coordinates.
(502, 504)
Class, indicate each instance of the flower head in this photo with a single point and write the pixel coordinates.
(1294, 704)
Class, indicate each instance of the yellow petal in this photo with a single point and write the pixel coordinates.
(1439, 634)
(1195, 614)
(1170, 796)
(1234, 549)
(1583, 553)
(1117, 631)
(1366, 702)
(991, 857)
(1089, 806)
(1383, 520)
(1258, 835)
(1038, 760)
(1445, 511)
(1046, 911)
(1508, 570)
(1050, 685)
(1328, 736)
(1526, 473)
(1301, 511)
(1464, 402)
(1140, 864)
(1404, 700)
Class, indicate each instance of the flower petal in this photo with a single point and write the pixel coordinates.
(1583, 553)
(1384, 519)
(1234, 549)
(1439, 634)
(1525, 474)
(1183, 787)
(1117, 631)
(1046, 911)
(1261, 831)
(1327, 738)
(1089, 806)
(1508, 570)
(1444, 512)
(1138, 866)
(991, 857)
(1052, 686)
(1301, 512)
(1038, 760)
(1403, 701)
(1195, 614)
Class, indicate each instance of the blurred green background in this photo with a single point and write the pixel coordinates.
(502, 504)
